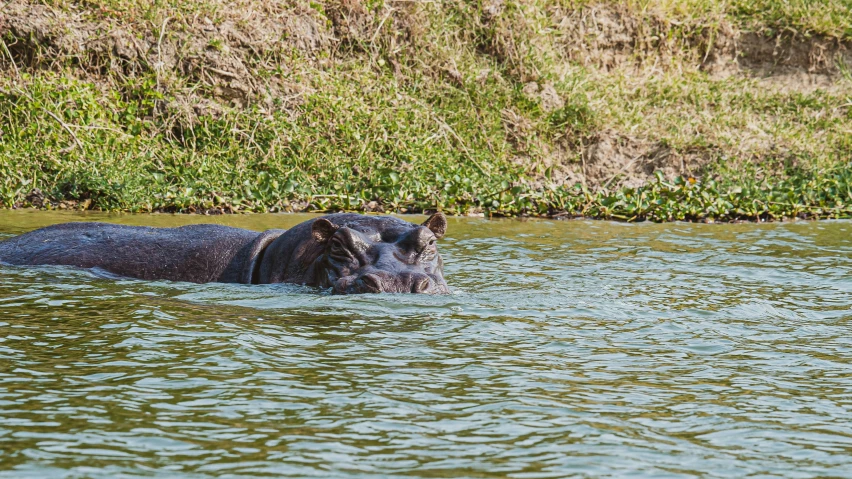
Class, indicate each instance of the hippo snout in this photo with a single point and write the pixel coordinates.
(384, 282)
(360, 254)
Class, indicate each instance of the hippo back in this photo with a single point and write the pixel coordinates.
(196, 253)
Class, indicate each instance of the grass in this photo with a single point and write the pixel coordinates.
(820, 195)
(805, 17)
(738, 117)
(423, 107)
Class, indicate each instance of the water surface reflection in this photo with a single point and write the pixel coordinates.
(587, 349)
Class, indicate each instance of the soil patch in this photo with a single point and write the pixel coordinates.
(792, 63)
(612, 160)
(610, 37)
(194, 62)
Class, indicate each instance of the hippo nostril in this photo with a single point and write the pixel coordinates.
(420, 285)
(371, 282)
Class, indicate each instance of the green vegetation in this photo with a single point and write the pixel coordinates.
(829, 18)
(630, 110)
(822, 195)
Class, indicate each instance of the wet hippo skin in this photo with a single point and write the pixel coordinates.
(349, 253)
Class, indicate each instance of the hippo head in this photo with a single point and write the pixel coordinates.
(353, 253)
(369, 254)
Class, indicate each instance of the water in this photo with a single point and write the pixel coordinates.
(569, 349)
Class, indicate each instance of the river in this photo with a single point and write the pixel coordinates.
(567, 349)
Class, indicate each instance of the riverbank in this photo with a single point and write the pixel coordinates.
(627, 110)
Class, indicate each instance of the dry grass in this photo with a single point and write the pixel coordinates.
(410, 105)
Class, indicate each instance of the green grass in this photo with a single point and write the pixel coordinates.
(813, 195)
(738, 118)
(432, 118)
(348, 152)
(807, 17)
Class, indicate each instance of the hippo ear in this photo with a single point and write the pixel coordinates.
(322, 230)
(437, 223)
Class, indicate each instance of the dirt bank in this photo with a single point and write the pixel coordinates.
(600, 94)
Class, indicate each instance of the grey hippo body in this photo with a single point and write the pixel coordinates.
(349, 253)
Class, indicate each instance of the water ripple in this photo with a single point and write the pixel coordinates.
(582, 349)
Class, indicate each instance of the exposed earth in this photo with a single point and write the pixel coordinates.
(209, 62)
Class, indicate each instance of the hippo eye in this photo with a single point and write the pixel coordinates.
(428, 252)
(338, 249)
(430, 245)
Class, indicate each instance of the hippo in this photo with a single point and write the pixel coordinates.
(349, 253)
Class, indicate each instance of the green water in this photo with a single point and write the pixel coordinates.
(568, 349)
